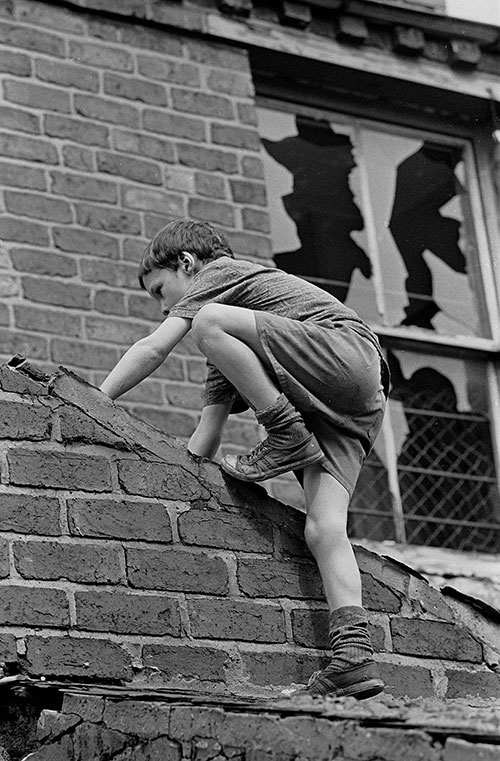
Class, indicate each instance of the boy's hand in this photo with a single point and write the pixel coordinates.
(206, 438)
(145, 356)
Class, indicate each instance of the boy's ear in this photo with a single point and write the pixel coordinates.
(186, 261)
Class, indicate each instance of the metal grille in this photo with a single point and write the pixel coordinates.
(446, 479)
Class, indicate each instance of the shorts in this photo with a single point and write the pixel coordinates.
(336, 378)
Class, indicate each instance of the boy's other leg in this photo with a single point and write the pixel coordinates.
(352, 670)
(229, 339)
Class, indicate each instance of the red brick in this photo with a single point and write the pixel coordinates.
(133, 169)
(32, 39)
(388, 744)
(104, 110)
(159, 480)
(230, 83)
(217, 55)
(146, 38)
(19, 120)
(135, 89)
(15, 342)
(406, 681)
(8, 652)
(77, 130)
(461, 684)
(237, 137)
(48, 291)
(103, 56)
(135, 142)
(83, 355)
(29, 514)
(109, 330)
(4, 559)
(271, 667)
(165, 70)
(217, 528)
(110, 302)
(174, 124)
(78, 158)
(151, 200)
(247, 114)
(127, 613)
(18, 383)
(202, 104)
(76, 186)
(246, 244)
(262, 577)
(17, 175)
(142, 718)
(37, 206)
(378, 596)
(247, 192)
(47, 321)
(75, 426)
(58, 470)
(108, 219)
(84, 563)
(119, 519)
(24, 606)
(85, 242)
(203, 663)
(52, 17)
(22, 231)
(42, 263)
(111, 273)
(22, 420)
(77, 657)
(208, 184)
(28, 148)
(212, 211)
(176, 570)
(252, 166)
(434, 639)
(37, 96)
(256, 220)
(209, 159)
(67, 74)
(146, 309)
(310, 627)
(236, 620)
(15, 63)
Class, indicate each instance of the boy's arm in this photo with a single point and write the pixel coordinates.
(206, 438)
(145, 356)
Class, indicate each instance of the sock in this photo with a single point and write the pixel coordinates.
(349, 638)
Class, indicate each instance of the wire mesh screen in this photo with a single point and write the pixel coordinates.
(446, 476)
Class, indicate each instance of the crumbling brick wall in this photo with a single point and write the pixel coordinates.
(123, 559)
(112, 126)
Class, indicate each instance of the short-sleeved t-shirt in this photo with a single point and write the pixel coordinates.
(242, 283)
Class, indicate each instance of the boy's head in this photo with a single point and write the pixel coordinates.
(176, 238)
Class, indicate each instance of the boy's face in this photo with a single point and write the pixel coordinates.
(167, 286)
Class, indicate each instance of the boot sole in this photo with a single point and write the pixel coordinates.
(277, 471)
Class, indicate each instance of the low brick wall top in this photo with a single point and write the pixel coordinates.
(124, 559)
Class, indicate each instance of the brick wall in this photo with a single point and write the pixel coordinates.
(110, 128)
(110, 726)
(122, 559)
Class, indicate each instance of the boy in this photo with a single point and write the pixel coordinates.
(314, 375)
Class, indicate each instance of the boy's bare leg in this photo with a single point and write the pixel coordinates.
(327, 503)
(352, 670)
(228, 337)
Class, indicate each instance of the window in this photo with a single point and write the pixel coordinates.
(390, 221)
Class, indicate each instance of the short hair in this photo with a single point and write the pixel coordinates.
(198, 238)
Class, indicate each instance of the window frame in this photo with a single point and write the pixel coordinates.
(485, 218)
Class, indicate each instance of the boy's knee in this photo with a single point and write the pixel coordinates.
(207, 319)
(329, 532)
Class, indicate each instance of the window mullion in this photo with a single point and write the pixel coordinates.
(391, 461)
(370, 226)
